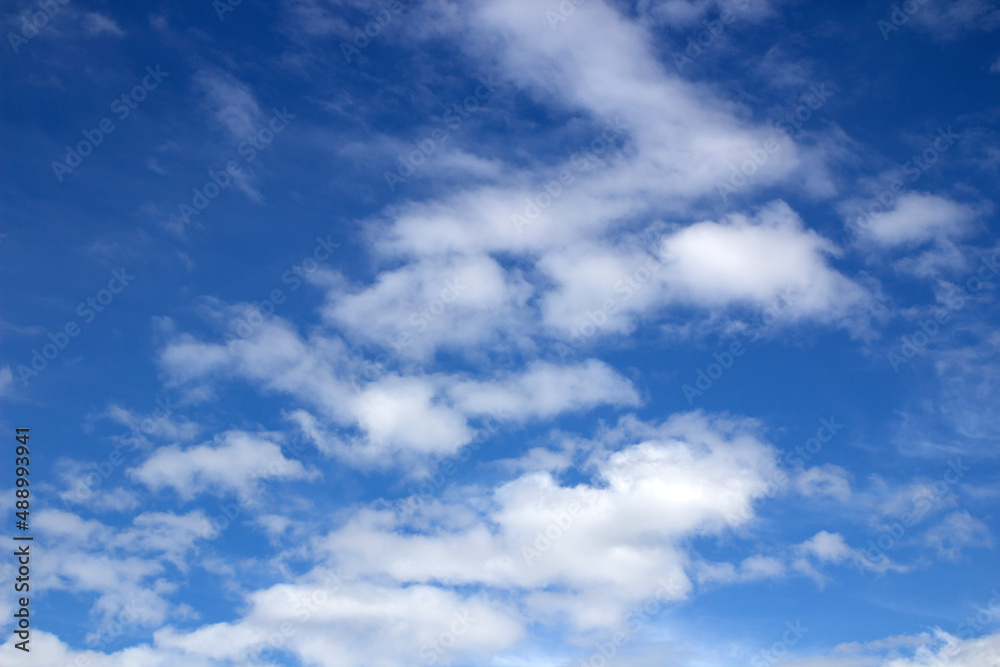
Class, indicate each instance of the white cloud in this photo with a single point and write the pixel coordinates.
(826, 546)
(332, 635)
(393, 418)
(230, 464)
(555, 544)
(157, 424)
(459, 303)
(925, 650)
(957, 531)
(644, 500)
(917, 218)
(950, 19)
(230, 101)
(545, 390)
(95, 24)
(314, 17)
(714, 263)
(48, 649)
(630, 521)
(679, 141)
(754, 568)
(125, 567)
(6, 380)
(402, 413)
(358, 623)
(717, 266)
(826, 480)
(603, 63)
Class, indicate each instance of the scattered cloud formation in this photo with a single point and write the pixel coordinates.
(570, 333)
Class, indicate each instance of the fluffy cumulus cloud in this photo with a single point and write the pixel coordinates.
(917, 218)
(642, 501)
(738, 261)
(229, 465)
(460, 304)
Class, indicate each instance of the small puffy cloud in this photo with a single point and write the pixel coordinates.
(717, 263)
(230, 464)
(545, 390)
(455, 303)
(826, 480)
(754, 568)
(827, 547)
(402, 413)
(917, 218)
(710, 265)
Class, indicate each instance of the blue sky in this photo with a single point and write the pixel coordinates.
(656, 332)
